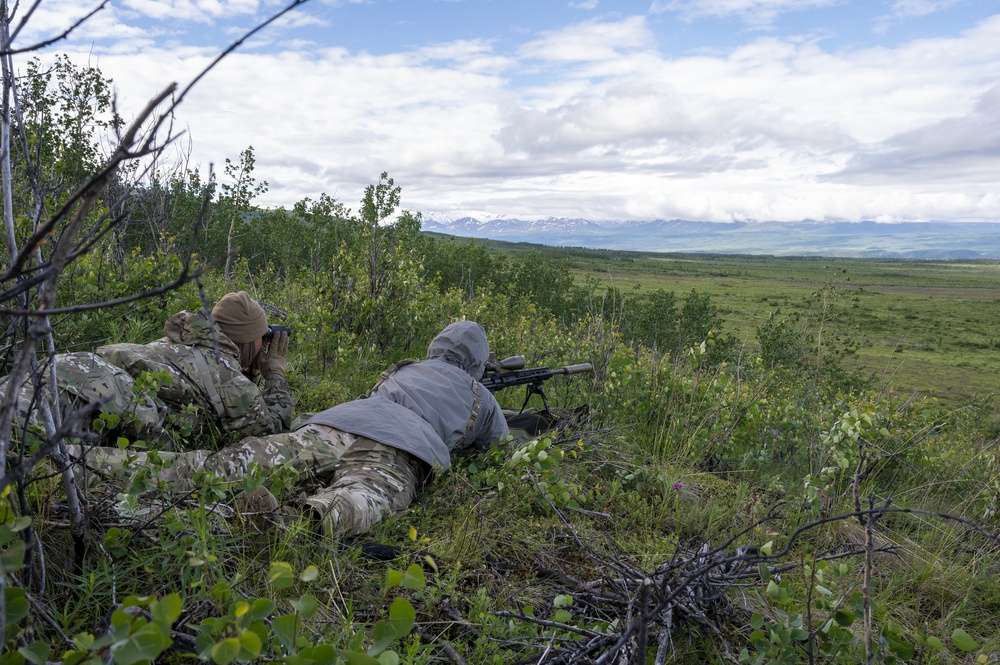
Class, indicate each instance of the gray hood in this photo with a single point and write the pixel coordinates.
(431, 407)
(463, 344)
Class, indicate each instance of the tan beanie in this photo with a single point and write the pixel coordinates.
(240, 318)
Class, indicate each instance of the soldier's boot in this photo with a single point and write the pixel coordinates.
(258, 501)
(259, 506)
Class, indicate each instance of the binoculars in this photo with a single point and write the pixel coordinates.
(273, 328)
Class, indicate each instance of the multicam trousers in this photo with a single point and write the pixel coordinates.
(353, 480)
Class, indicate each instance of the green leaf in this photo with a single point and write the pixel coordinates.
(203, 644)
(261, 609)
(250, 645)
(963, 640)
(36, 652)
(281, 575)
(401, 616)
(757, 620)
(309, 574)
(773, 590)
(225, 651)
(562, 616)
(306, 606)
(393, 578)
(414, 577)
(843, 618)
(20, 524)
(12, 558)
(383, 635)
(359, 658)
(934, 643)
(167, 610)
(221, 591)
(82, 641)
(144, 645)
(321, 654)
(16, 604)
(285, 628)
(388, 658)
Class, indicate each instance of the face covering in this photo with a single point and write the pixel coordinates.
(249, 358)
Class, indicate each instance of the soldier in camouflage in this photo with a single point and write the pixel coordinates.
(210, 377)
(214, 368)
(367, 457)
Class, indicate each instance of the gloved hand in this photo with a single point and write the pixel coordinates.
(273, 361)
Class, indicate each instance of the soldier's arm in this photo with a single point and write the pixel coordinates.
(250, 410)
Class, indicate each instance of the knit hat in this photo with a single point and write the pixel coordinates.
(240, 318)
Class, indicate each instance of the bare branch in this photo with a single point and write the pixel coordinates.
(48, 42)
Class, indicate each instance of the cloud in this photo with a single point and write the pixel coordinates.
(594, 119)
(590, 41)
(953, 149)
(201, 11)
(756, 13)
(584, 4)
(920, 7)
(909, 9)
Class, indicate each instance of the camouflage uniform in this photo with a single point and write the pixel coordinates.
(352, 480)
(205, 371)
(83, 378)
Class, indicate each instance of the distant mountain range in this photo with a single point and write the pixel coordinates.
(904, 240)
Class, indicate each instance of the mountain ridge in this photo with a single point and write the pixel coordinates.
(865, 239)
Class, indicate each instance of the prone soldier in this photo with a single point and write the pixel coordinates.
(212, 362)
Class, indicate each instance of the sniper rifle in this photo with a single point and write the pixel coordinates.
(510, 372)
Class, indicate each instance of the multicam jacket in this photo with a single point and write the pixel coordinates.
(84, 378)
(204, 369)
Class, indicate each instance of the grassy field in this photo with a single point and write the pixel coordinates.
(927, 326)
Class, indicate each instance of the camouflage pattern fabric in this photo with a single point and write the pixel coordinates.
(208, 377)
(353, 480)
(83, 378)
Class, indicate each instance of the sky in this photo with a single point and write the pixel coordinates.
(709, 110)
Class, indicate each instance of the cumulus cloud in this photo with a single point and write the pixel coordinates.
(953, 149)
(595, 119)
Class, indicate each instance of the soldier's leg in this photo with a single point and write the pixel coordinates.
(370, 479)
(311, 451)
